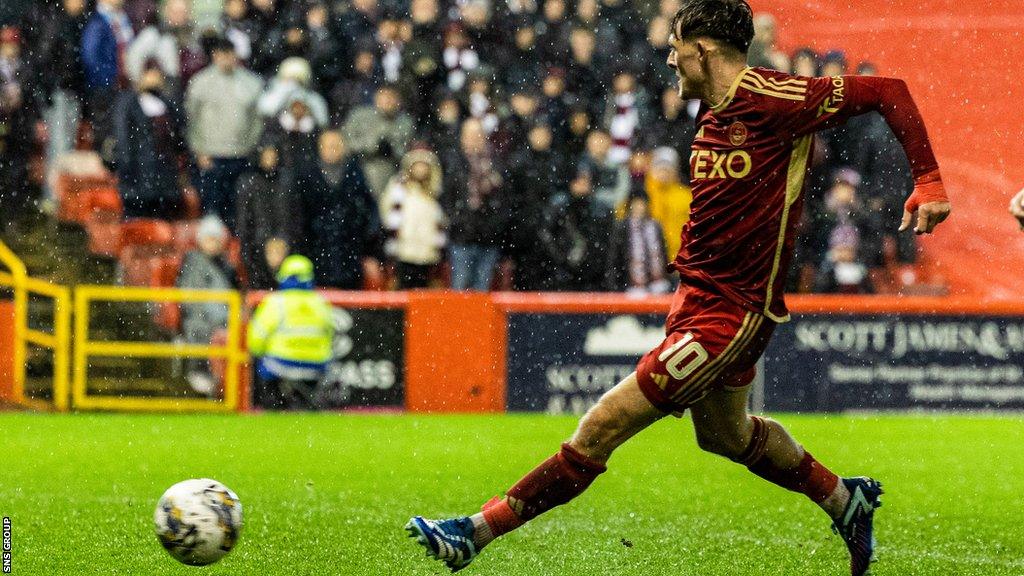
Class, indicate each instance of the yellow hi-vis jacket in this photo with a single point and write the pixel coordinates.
(294, 325)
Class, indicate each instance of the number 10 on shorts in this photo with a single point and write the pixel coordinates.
(683, 357)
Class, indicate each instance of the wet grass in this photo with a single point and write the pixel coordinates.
(328, 494)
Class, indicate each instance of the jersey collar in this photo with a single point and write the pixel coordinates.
(731, 93)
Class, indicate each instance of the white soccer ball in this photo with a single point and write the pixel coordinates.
(198, 521)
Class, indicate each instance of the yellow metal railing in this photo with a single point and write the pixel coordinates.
(232, 351)
(59, 341)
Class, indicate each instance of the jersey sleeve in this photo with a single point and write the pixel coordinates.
(829, 101)
(826, 102)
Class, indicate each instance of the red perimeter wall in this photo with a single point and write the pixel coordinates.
(964, 62)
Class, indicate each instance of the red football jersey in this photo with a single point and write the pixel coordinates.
(747, 170)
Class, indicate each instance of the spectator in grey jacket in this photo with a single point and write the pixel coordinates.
(380, 134)
(206, 269)
(224, 127)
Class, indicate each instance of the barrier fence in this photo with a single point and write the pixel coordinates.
(232, 352)
(12, 385)
(442, 351)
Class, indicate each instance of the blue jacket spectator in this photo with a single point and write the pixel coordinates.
(104, 40)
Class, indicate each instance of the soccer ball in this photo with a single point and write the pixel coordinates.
(198, 521)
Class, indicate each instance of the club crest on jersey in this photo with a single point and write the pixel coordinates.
(737, 133)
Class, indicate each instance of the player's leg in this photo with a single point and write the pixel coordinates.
(723, 426)
(621, 412)
(764, 446)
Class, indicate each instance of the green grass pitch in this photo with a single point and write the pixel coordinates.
(328, 494)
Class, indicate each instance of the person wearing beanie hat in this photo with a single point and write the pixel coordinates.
(291, 84)
(291, 336)
(206, 268)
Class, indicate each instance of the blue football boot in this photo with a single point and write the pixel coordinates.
(450, 541)
(856, 524)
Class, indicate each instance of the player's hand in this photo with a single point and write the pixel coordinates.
(929, 203)
(1017, 208)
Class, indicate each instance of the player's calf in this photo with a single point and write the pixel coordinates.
(773, 455)
(621, 413)
(556, 481)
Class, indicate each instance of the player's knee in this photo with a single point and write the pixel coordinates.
(598, 433)
(727, 441)
(724, 444)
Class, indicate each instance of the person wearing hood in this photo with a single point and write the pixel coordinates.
(291, 336)
(413, 220)
(294, 133)
(292, 83)
(668, 197)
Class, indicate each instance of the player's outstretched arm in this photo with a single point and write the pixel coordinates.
(891, 98)
(1017, 208)
(831, 101)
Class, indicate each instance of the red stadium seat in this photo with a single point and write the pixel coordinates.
(71, 191)
(145, 244)
(164, 275)
(185, 235)
(102, 221)
(156, 236)
(165, 271)
(168, 316)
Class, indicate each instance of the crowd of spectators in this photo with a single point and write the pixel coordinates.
(526, 144)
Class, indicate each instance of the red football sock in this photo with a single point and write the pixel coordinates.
(556, 481)
(809, 477)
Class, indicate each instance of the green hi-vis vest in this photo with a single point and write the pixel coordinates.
(295, 325)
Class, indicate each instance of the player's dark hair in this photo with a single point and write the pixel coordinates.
(728, 21)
